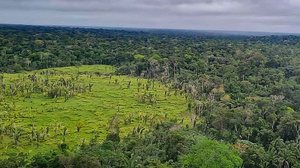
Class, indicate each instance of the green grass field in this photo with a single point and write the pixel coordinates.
(110, 96)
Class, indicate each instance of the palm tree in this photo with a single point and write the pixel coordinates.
(16, 135)
(65, 131)
(79, 125)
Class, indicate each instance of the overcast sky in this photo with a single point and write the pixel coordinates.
(245, 15)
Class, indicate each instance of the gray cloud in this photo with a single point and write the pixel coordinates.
(246, 15)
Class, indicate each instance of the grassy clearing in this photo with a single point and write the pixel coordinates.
(120, 96)
(105, 69)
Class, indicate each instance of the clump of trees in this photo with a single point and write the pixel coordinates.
(52, 88)
(210, 153)
(147, 97)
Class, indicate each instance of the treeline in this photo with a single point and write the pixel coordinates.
(166, 145)
(241, 90)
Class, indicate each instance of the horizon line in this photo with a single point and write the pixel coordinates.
(232, 32)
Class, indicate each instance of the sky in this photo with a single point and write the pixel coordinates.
(241, 15)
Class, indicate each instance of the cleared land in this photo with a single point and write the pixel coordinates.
(41, 109)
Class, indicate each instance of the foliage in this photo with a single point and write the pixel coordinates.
(211, 154)
(243, 90)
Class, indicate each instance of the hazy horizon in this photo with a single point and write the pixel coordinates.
(274, 16)
(229, 32)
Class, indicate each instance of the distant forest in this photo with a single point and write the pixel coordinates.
(243, 90)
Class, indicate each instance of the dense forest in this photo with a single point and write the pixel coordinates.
(243, 92)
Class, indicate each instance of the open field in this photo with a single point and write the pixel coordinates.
(34, 119)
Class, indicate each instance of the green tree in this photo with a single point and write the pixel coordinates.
(208, 153)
